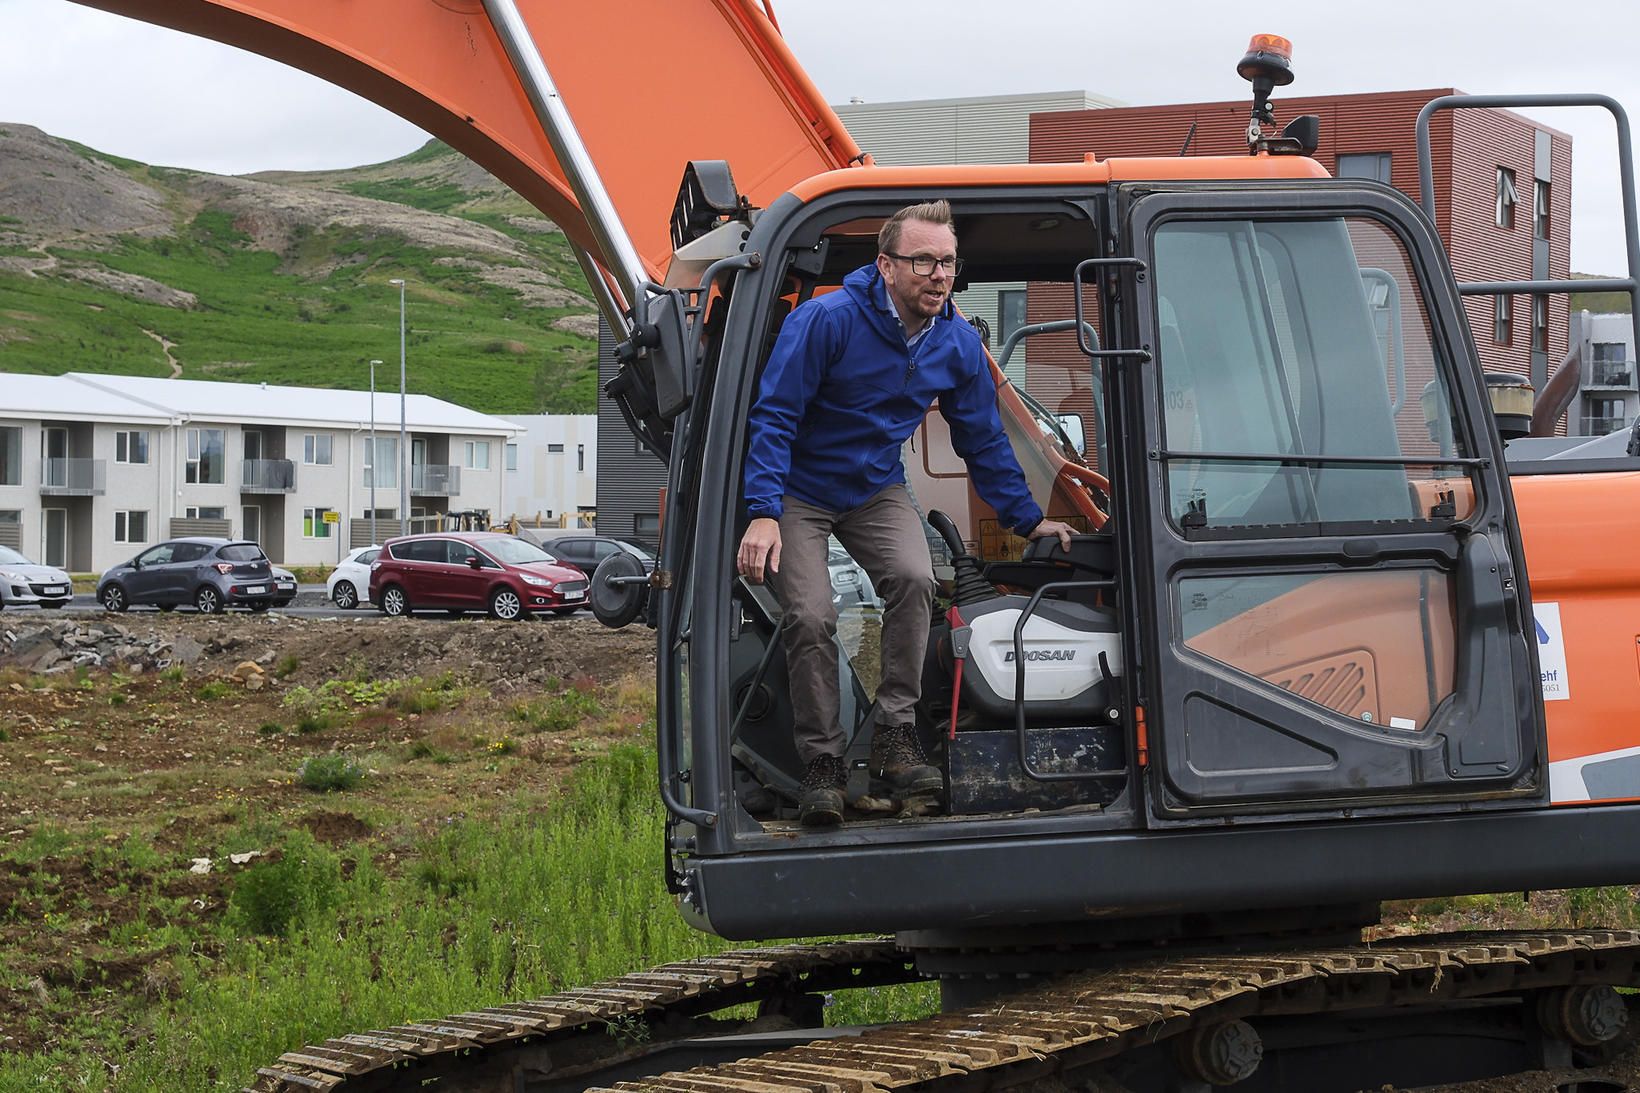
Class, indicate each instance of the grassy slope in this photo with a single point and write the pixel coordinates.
(262, 318)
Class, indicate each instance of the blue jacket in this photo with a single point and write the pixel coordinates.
(842, 392)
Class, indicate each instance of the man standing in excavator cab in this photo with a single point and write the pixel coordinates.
(850, 378)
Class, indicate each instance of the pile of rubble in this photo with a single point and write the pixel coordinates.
(58, 647)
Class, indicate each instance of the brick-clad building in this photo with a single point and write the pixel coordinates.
(1503, 190)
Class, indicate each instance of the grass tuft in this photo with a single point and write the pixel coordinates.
(329, 773)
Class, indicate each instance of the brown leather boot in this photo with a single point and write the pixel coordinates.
(897, 758)
(821, 804)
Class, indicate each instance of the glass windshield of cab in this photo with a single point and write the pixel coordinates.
(1299, 381)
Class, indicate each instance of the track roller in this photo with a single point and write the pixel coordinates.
(1586, 1016)
(1221, 1054)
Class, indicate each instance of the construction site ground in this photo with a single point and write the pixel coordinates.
(220, 722)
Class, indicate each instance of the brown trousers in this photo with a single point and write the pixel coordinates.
(885, 536)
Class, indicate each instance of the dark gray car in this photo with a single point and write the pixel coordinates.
(210, 574)
(584, 552)
(23, 582)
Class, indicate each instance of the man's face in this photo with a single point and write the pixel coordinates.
(917, 295)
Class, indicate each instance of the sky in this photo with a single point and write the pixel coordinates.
(135, 90)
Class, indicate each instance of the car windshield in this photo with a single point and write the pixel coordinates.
(9, 556)
(516, 552)
(241, 552)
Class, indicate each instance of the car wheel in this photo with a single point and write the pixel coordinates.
(208, 600)
(506, 604)
(114, 598)
(167, 607)
(394, 602)
(345, 595)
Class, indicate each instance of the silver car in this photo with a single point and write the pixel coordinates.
(850, 584)
(22, 582)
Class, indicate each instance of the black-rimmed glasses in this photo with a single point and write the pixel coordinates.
(923, 264)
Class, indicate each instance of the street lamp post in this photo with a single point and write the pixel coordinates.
(404, 449)
(375, 453)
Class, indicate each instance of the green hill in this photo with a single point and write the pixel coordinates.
(1598, 302)
(112, 266)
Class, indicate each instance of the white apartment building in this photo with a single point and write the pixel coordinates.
(93, 467)
(551, 469)
(1608, 397)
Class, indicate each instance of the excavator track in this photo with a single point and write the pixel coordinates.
(1044, 1031)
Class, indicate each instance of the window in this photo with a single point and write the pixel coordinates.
(11, 455)
(204, 457)
(316, 449)
(1278, 355)
(555, 449)
(580, 458)
(1605, 415)
(208, 512)
(131, 447)
(314, 525)
(647, 525)
(1503, 210)
(478, 455)
(1373, 165)
(1010, 314)
(1610, 367)
(512, 457)
(381, 467)
(1540, 209)
(1503, 317)
(1540, 323)
(130, 526)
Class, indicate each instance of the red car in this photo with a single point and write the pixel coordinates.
(472, 571)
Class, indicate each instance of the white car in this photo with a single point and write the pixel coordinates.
(284, 587)
(850, 584)
(23, 582)
(349, 583)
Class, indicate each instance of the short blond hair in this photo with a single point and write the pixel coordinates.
(929, 212)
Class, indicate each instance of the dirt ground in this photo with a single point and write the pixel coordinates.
(162, 764)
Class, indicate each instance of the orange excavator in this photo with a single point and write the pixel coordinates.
(1323, 640)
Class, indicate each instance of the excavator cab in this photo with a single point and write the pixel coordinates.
(1292, 604)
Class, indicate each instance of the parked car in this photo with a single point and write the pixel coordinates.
(473, 571)
(850, 583)
(211, 574)
(584, 552)
(24, 582)
(349, 583)
(284, 586)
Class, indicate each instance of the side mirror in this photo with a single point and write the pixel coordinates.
(135, 563)
(1072, 424)
(473, 562)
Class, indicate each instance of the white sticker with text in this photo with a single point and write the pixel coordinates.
(1551, 652)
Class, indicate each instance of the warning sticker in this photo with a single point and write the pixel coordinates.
(1551, 652)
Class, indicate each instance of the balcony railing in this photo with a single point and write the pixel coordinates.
(1612, 374)
(268, 476)
(1600, 426)
(435, 480)
(74, 477)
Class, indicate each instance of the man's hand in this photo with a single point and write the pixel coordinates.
(1041, 531)
(760, 544)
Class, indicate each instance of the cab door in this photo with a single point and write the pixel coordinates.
(1334, 606)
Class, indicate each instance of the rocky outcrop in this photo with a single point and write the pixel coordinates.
(58, 647)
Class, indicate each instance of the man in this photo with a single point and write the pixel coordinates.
(849, 380)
